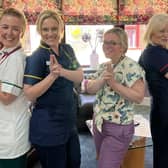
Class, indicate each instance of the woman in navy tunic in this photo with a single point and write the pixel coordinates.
(154, 59)
(50, 74)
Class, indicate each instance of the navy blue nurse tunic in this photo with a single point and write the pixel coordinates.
(54, 115)
(154, 60)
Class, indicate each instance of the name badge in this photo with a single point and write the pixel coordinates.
(47, 63)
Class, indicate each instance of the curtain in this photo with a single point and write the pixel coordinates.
(31, 8)
(112, 11)
(93, 11)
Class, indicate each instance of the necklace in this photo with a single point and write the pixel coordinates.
(120, 59)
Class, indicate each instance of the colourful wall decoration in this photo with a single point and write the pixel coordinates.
(141, 10)
(112, 11)
(93, 11)
(31, 8)
(89, 11)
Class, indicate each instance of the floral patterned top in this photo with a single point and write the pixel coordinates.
(111, 106)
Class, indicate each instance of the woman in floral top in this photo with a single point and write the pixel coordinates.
(117, 83)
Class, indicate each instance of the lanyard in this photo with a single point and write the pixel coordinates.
(8, 54)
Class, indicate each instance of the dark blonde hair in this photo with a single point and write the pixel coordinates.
(56, 15)
(156, 23)
(122, 35)
(16, 13)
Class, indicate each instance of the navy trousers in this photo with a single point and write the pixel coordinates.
(62, 156)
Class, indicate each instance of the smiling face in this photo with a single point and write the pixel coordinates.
(160, 37)
(50, 32)
(112, 46)
(11, 30)
(157, 30)
(50, 26)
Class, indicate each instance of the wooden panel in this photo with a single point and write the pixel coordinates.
(135, 157)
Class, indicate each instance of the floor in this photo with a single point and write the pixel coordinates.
(88, 159)
(88, 153)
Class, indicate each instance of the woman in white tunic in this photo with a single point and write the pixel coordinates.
(14, 115)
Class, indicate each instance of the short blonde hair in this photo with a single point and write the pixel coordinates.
(122, 35)
(56, 15)
(16, 13)
(155, 24)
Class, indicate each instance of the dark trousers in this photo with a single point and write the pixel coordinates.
(19, 162)
(62, 156)
(160, 146)
(159, 128)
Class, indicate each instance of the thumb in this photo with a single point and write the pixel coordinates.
(109, 67)
(53, 60)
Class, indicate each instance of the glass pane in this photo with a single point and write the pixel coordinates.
(83, 50)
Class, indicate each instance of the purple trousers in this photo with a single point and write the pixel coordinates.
(112, 143)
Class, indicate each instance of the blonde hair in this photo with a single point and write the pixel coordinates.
(56, 15)
(155, 24)
(122, 35)
(16, 13)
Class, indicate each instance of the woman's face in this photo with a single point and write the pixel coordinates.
(112, 46)
(161, 37)
(11, 30)
(50, 32)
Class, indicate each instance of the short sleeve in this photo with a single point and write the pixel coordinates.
(35, 69)
(133, 72)
(12, 81)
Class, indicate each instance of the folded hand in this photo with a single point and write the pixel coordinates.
(55, 67)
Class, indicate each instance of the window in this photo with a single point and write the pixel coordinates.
(73, 36)
(83, 50)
